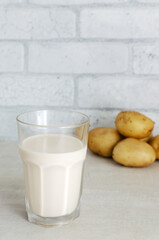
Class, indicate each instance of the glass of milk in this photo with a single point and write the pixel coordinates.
(52, 146)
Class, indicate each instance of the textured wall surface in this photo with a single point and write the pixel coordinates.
(97, 56)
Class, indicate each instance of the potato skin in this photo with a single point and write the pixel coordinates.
(154, 142)
(102, 140)
(133, 152)
(147, 139)
(79, 132)
(134, 124)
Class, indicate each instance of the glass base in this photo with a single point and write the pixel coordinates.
(55, 221)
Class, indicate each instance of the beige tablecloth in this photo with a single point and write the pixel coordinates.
(118, 203)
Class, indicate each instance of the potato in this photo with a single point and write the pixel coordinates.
(79, 132)
(102, 140)
(147, 139)
(134, 124)
(133, 152)
(154, 142)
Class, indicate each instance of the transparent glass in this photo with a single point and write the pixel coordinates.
(52, 146)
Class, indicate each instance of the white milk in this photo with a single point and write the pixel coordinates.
(53, 166)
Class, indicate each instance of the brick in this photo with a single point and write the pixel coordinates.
(146, 59)
(75, 2)
(148, 1)
(78, 58)
(8, 121)
(120, 23)
(118, 93)
(35, 23)
(11, 57)
(36, 91)
(5, 2)
(101, 118)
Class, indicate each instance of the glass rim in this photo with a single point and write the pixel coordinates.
(53, 126)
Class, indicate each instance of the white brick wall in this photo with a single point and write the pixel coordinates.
(78, 58)
(148, 1)
(75, 2)
(38, 90)
(32, 23)
(5, 2)
(95, 56)
(118, 93)
(11, 57)
(120, 23)
(146, 59)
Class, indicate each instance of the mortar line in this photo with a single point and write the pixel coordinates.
(76, 92)
(83, 75)
(130, 59)
(77, 12)
(25, 57)
(32, 107)
(82, 6)
(139, 41)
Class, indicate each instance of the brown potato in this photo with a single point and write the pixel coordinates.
(102, 140)
(154, 142)
(79, 132)
(133, 152)
(147, 139)
(134, 124)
